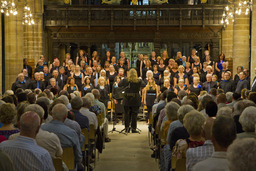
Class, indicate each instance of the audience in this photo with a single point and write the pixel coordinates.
(241, 155)
(76, 104)
(44, 139)
(223, 134)
(23, 151)
(248, 120)
(200, 153)
(7, 114)
(68, 137)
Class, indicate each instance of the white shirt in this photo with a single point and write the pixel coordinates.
(90, 115)
(47, 140)
(218, 162)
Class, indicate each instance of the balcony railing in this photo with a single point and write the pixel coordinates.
(134, 16)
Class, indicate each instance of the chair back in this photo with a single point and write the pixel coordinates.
(68, 157)
(92, 132)
(181, 165)
(85, 133)
(57, 162)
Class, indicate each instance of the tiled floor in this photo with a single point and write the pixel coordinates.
(127, 153)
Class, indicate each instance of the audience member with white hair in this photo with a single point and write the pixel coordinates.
(68, 137)
(248, 121)
(223, 134)
(241, 155)
(239, 106)
(8, 93)
(171, 109)
(66, 101)
(229, 96)
(24, 152)
(45, 139)
(86, 112)
(225, 111)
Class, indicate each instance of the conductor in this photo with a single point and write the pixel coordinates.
(132, 99)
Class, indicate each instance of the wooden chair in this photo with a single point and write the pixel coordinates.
(57, 162)
(68, 157)
(85, 148)
(181, 165)
(85, 133)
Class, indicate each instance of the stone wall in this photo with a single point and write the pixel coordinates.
(22, 40)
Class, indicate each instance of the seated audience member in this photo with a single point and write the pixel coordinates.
(248, 121)
(68, 137)
(20, 83)
(37, 83)
(229, 96)
(211, 109)
(171, 109)
(182, 94)
(252, 97)
(86, 112)
(241, 155)
(223, 134)
(162, 116)
(193, 122)
(24, 152)
(97, 102)
(239, 107)
(183, 110)
(221, 100)
(195, 155)
(213, 94)
(45, 139)
(7, 114)
(76, 104)
(225, 111)
(202, 105)
(235, 98)
(6, 163)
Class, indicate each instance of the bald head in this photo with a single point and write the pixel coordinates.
(59, 112)
(29, 124)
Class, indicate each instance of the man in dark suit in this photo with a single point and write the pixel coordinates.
(140, 65)
(242, 83)
(62, 78)
(227, 84)
(47, 75)
(20, 83)
(53, 84)
(27, 67)
(209, 83)
(37, 83)
(253, 88)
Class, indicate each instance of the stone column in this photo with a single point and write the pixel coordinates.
(227, 40)
(253, 41)
(241, 40)
(14, 44)
(1, 69)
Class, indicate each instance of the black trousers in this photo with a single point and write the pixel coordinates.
(131, 113)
